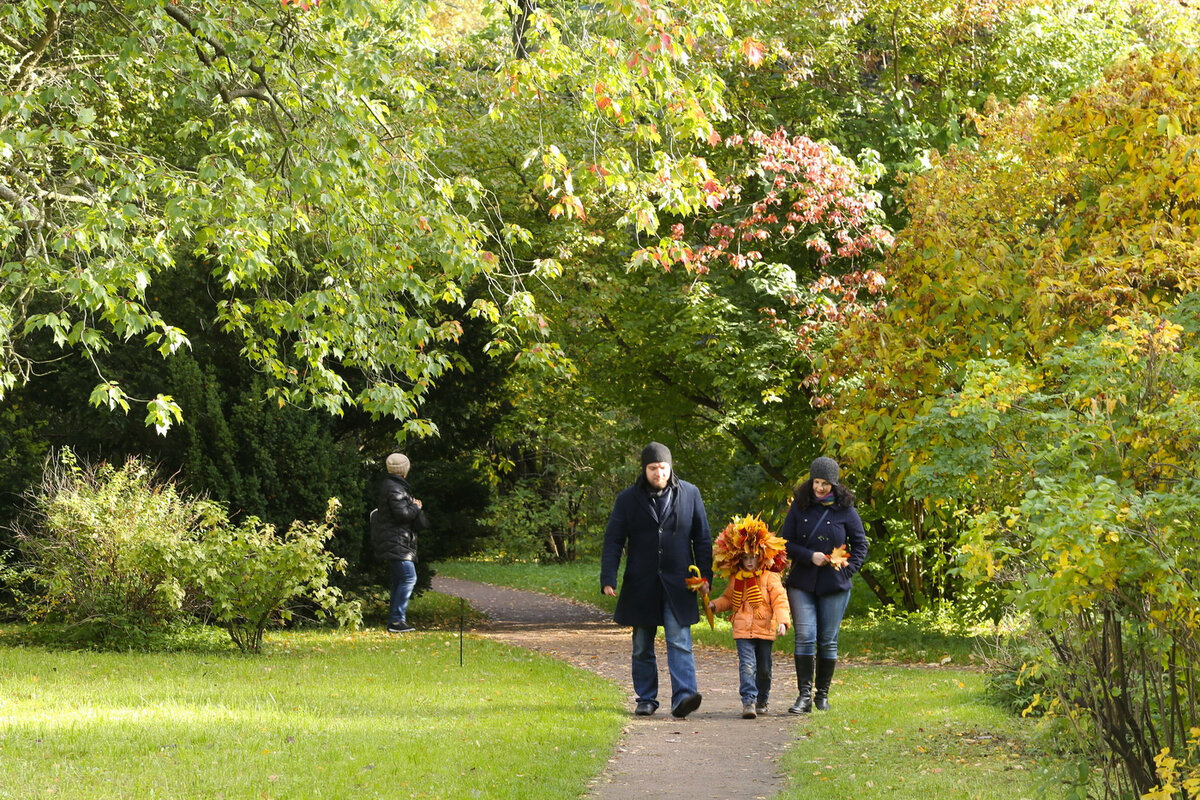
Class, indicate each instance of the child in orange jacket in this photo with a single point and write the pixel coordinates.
(753, 559)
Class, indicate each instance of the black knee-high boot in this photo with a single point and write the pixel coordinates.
(825, 667)
(804, 680)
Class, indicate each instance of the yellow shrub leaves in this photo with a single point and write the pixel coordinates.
(1062, 220)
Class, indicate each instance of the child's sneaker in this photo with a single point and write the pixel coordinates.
(748, 711)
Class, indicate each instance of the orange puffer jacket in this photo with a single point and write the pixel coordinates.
(762, 605)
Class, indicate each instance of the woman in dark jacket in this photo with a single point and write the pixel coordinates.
(821, 526)
(394, 526)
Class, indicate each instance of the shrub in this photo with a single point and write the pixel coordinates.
(116, 556)
(1013, 665)
(248, 576)
(533, 523)
(1101, 546)
(105, 548)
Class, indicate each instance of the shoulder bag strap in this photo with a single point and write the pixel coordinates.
(818, 525)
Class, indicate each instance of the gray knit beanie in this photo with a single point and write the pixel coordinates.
(398, 464)
(826, 469)
(655, 453)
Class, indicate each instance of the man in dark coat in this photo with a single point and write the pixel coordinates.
(394, 525)
(660, 524)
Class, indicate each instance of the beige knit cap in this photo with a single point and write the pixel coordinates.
(397, 464)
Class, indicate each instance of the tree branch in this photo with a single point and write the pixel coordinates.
(520, 25)
(260, 91)
(35, 51)
(711, 404)
(48, 194)
(11, 196)
(10, 42)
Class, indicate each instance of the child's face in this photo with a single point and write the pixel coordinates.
(749, 562)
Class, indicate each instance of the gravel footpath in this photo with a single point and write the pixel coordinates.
(713, 754)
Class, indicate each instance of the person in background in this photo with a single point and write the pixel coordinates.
(827, 545)
(395, 522)
(660, 525)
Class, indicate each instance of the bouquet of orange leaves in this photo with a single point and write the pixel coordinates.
(840, 556)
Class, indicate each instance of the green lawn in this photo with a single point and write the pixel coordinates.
(319, 715)
(917, 733)
(366, 715)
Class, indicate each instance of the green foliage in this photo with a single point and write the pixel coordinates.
(179, 636)
(427, 611)
(280, 151)
(1031, 240)
(902, 78)
(249, 576)
(528, 526)
(348, 188)
(23, 441)
(107, 549)
(1099, 455)
(278, 464)
(114, 554)
(1034, 239)
(1026, 389)
(660, 325)
(612, 210)
(1013, 676)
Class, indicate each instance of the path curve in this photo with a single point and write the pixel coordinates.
(714, 753)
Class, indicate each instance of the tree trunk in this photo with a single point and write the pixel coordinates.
(520, 24)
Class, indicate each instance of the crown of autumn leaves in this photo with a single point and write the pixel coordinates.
(748, 535)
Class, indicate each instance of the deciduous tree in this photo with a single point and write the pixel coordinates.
(280, 149)
(1031, 389)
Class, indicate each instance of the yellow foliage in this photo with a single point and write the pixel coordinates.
(1063, 221)
(1178, 777)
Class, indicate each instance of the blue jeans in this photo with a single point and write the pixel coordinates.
(754, 670)
(680, 663)
(403, 575)
(817, 619)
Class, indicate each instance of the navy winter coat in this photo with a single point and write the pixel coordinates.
(841, 526)
(657, 554)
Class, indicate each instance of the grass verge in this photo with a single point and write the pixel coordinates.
(319, 715)
(909, 732)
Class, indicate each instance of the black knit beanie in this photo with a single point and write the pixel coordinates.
(655, 453)
(826, 469)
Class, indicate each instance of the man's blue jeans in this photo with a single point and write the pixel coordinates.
(403, 575)
(754, 670)
(680, 663)
(817, 619)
